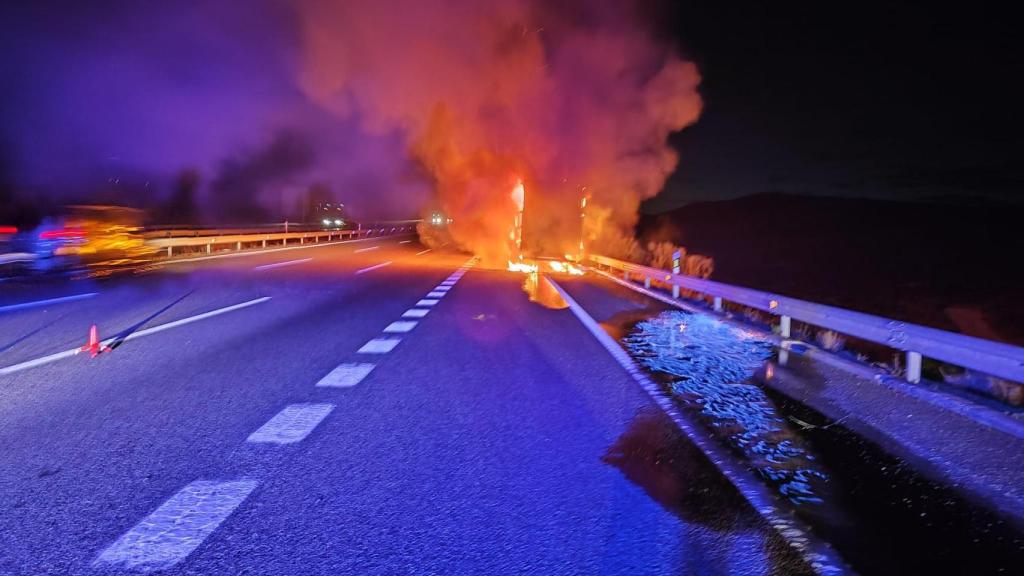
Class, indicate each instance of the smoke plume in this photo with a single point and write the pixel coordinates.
(574, 99)
(392, 105)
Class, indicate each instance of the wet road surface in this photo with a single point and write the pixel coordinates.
(354, 417)
(884, 513)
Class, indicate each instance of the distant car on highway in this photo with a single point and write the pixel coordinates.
(332, 223)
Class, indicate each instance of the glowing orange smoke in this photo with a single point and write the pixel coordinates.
(563, 99)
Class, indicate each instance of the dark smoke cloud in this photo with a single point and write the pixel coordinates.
(135, 93)
(247, 185)
(572, 98)
(384, 105)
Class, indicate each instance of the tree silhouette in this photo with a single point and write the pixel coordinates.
(181, 206)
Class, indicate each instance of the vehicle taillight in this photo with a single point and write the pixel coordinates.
(60, 234)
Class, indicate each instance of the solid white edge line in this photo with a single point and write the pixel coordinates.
(282, 264)
(192, 319)
(67, 353)
(38, 303)
(815, 552)
(371, 268)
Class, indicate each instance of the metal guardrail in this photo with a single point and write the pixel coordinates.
(192, 231)
(209, 244)
(995, 358)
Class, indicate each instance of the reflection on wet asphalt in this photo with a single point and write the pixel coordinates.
(655, 455)
(708, 364)
(881, 514)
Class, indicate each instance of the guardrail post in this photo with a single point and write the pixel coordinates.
(913, 367)
(625, 275)
(784, 326)
(209, 247)
(264, 242)
(170, 250)
(647, 282)
(718, 304)
(676, 260)
(238, 245)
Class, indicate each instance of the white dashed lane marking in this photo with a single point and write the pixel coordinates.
(427, 302)
(400, 327)
(282, 264)
(291, 424)
(381, 265)
(442, 288)
(346, 375)
(366, 249)
(379, 346)
(422, 252)
(178, 527)
(436, 294)
(415, 313)
(405, 241)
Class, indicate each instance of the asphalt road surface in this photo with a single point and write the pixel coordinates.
(362, 408)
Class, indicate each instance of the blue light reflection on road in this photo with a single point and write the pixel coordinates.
(708, 364)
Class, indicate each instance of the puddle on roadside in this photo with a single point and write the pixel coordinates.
(709, 364)
(881, 515)
(653, 454)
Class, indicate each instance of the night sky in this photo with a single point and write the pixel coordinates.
(887, 99)
(872, 99)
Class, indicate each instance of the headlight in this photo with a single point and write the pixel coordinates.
(337, 222)
(327, 222)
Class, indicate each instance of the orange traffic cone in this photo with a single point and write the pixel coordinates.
(93, 347)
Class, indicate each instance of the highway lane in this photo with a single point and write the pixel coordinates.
(497, 436)
(185, 286)
(503, 439)
(157, 406)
